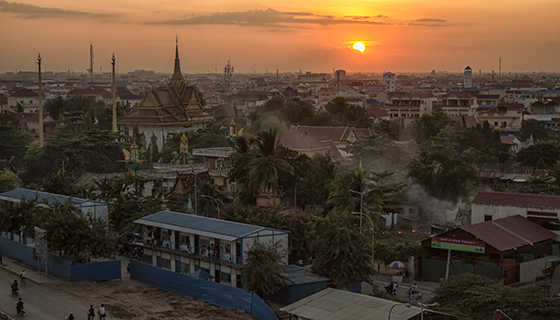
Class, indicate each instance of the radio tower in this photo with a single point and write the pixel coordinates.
(228, 72)
(90, 70)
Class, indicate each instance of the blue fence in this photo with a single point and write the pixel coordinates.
(60, 267)
(204, 290)
(97, 271)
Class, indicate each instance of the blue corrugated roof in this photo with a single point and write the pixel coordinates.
(203, 224)
(41, 196)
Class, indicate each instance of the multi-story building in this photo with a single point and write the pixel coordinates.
(458, 103)
(389, 81)
(410, 104)
(205, 247)
(467, 77)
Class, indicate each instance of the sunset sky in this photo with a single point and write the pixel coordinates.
(317, 36)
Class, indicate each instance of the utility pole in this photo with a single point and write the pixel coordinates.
(41, 129)
(114, 96)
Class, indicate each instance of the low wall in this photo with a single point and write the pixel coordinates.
(204, 290)
(60, 267)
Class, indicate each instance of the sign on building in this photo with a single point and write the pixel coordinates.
(458, 245)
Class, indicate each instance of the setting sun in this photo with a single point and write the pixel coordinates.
(359, 46)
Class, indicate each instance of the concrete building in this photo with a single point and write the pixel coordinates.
(467, 77)
(389, 80)
(203, 247)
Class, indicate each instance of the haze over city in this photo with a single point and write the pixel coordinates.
(260, 36)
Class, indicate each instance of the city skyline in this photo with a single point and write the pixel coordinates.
(399, 36)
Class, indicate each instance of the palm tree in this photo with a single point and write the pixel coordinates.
(266, 165)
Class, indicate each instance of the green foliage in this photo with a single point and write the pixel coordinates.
(262, 272)
(477, 297)
(15, 217)
(297, 112)
(443, 173)
(429, 125)
(542, 155)
(127, 202)
(536, 129)
(13, 143)
(80, 113)
(7, 181)
(348, 114)
(341, 254)
(91, 151)
(388, 253)
(71, 232)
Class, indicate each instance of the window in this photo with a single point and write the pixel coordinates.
(487, 217)
(146, 258)
(185, 268)
(166, 263)
(225, 278)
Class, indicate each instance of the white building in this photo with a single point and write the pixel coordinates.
(197, 245)
(541, 209)
(389, 81)
(467, 77)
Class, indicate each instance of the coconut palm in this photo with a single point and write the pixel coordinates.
(267, 165)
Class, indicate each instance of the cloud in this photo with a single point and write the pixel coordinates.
(268, 17)
(28, 11)
(429, 23)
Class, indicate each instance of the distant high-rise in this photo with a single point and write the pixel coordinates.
(467, 77)
(389, 80)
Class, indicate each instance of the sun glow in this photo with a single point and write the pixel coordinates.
(359, 46)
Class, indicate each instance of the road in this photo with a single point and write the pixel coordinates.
(41, 302)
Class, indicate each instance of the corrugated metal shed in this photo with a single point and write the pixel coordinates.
(189, 223)
(509, 233)
(333, 304)
(517, 199)
(301, 275)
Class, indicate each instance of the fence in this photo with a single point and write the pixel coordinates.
(433, 270)
(60, 267)
(204, 290)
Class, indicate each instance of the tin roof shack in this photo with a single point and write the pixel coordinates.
(512, 248)
(185, 243)
(301, 283)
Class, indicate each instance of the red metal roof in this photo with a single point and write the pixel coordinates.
(509, 233)
(517, 199)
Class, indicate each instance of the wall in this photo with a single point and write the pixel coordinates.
(61, 267)
(529, 271)
(502, 211)
(97, 271)
(434, 270)
(208, 291)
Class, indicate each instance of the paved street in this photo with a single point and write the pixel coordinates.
(41, 302)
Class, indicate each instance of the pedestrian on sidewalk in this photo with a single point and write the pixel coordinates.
(22, 277)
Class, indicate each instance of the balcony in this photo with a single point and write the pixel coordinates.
(199, 252)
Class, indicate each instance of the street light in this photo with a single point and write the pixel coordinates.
(372, 233)
(217, 205)
(361, 204)
(423, 305)
(408, 305)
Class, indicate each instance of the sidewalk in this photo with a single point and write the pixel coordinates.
(31, 273)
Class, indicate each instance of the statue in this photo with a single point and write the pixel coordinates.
(231, 133)
(183, 155)
(133, 158)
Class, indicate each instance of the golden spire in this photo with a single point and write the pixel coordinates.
(177, 75)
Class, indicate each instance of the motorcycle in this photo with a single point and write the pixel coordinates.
(15, 292)
(20, 311)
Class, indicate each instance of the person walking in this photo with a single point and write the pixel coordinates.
(101, 312)
(22, 277)
(91, 313)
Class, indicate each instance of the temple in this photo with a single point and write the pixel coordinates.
(171, 108)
